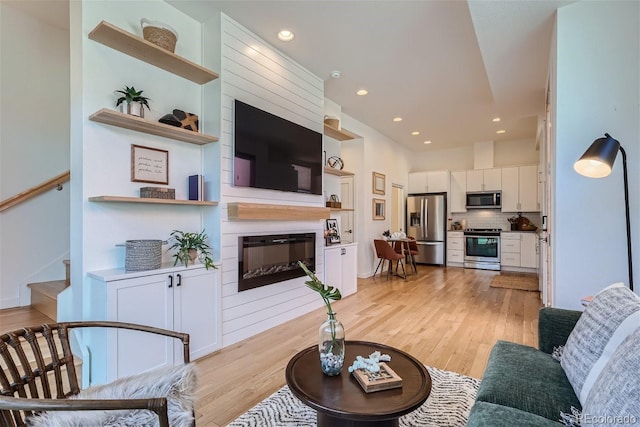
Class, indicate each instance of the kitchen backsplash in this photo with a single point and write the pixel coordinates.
(488, 218)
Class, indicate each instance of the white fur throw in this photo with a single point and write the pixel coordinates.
(177, 384)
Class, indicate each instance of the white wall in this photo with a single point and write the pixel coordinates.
(34, 147)
(256, 73)
(597, 89)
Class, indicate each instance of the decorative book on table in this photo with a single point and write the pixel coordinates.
(196, 187)
(384, 379)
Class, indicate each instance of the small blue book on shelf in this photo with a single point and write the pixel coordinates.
(196, 187)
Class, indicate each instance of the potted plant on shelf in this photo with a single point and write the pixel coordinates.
(191, 246)
(132, 102)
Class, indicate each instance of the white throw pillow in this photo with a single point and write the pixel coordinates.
(613, 315)
(176, 383)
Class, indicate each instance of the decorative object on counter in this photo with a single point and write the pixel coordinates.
(378, 183)
(190, 246)
(335, 162)
(597, 162)
(159, 34)
(142, 255)
(331, 333)
(157, 193)
(189, 121)
(371, 364)
(513, 221)
(170, 119)
(332, 233)
(331, 121)
(149, 165)
(196, 187)
(463, 223)
(522, 223)
(456, 225)
(333, 202)
(378, 209)
(132, 102)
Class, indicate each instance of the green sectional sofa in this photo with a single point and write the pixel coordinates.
(523, 386)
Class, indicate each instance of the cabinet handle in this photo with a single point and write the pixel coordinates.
(170, 281)
(179, 279)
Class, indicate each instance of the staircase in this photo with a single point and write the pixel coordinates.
(44, 295)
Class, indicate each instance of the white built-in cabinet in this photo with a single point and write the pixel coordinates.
(341, 267)
(484, 180)
(429, 182)
(176, 298)
(455, 248)
(519, 250)
(458, 193)
(520, 189)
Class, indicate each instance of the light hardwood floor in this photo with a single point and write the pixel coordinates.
(446, 317)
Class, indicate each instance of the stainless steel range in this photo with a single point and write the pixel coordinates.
(482, 248)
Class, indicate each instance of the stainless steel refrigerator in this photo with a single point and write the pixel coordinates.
(427, 223)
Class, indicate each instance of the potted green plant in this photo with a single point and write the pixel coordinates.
(132, 102)
(190, 246)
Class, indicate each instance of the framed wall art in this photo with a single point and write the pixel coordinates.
(378, 183)
(149, 165)
(378, 209)
(333, 234)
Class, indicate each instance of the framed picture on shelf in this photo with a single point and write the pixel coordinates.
(149, 165)
(378, 183)
(332, 233)
(378, 209)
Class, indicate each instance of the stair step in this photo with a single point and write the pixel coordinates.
(44, 296)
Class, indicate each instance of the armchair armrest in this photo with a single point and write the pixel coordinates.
(554, 327)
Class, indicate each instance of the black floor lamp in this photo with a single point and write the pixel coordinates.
(597, 162)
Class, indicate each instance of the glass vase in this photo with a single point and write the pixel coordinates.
(331, 346)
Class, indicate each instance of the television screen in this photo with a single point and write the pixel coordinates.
(273, 153)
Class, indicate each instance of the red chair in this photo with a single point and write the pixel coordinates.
(385, 252)
(411, 254)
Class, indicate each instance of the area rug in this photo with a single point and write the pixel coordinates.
(521, 282)
(448, 405)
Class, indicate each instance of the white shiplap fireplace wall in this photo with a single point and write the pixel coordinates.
(254, 72)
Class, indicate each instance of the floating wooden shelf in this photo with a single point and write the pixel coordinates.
(137, 47)
(118, 199)
(339, 134)
(337, 172)
(258, 211)
(341, 210)
(127, 121)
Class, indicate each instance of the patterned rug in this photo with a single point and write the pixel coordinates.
(448, 405)
(521, 282)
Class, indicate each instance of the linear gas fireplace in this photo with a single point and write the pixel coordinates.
(263, 260)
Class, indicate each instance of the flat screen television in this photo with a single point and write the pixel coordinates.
(276, 154)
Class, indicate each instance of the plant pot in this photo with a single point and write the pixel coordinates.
(193, 255)
(132, 108)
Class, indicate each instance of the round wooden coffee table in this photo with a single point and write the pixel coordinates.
(341, 401)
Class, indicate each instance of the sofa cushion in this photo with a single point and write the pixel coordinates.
(615, 395)
(485, 414)
(612, 315)
(524, 378)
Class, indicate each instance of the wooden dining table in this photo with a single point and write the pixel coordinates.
(406, 251)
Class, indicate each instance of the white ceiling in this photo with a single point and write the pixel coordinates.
(446, 67)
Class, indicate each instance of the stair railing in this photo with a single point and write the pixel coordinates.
(55, 182)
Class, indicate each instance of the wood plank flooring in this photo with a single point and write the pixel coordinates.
(446, 317)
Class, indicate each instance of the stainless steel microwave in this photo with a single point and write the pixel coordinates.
(484, 200)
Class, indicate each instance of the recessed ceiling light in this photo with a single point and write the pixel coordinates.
(362, 92)
(397, 119)
(336, 74)
(496, 119)
(501, 131)
(415, 132)
(427, 142)
(285, 35)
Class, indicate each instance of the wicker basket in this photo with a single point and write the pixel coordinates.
(143, 255)
(159, 34)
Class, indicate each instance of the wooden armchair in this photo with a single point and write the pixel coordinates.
(28, 387)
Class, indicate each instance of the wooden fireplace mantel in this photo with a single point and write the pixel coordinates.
(258, 211)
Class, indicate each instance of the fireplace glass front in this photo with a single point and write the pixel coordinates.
(263, 260)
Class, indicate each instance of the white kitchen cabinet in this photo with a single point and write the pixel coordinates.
(177, 298)
(341, 267)
(458, 193)
(429, 182)
(455, 248)
(484, 180)
(510, 250)
(519, 250)
(520, 189)
(529, 250)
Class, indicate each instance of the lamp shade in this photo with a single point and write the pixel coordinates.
(598, 160)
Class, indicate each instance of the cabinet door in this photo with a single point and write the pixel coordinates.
(349, 256)
(458, 191)
(197, 310)
(417, 182)
(333, 267)
(145, 300)
(528, 189)
(528, 255)
(492, 179)
(475, 180)
(510, 189)
(438, 182)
